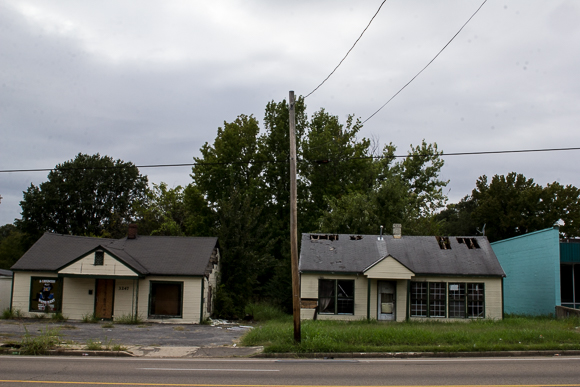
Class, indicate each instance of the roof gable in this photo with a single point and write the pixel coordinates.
(111, 266)
(388, 267)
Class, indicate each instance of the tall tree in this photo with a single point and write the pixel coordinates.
(407, 192)
(336, 163)
(89, 195)
(513, 205)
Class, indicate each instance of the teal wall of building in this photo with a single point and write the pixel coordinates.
(532, 266)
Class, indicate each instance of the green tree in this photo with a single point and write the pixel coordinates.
(336, 163)
(513, 205)
(174, 211)
(12, 245)
(90, 195)
(407, 192)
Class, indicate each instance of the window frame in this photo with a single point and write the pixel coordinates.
(151, 299)
(99, 258)
(57, 294)
(467, 301)
(427, 299)
(335, 298)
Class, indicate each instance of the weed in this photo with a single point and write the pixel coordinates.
(178, 329)
(264, 312)
(94, 345)
(40, 316)
(58, 317)
(41, 344)
(10, 314)
(68, 326)
(129, 319)
(89, 318)
(118, 347)
(108, 325)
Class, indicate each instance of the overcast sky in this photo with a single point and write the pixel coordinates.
(151, 81)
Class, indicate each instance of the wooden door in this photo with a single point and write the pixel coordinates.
(104, 298)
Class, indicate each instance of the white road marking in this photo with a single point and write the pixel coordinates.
(207, 369)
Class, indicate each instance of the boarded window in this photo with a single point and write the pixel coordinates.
(165, 299)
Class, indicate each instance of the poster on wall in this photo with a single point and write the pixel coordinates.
(45, 295)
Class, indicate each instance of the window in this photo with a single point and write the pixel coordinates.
(165, 299)
(419, 299)
(437, 299)
(466, 300)
(456, 300)
(336, 296)
(428, 299)
(45, 294)
(99, 258)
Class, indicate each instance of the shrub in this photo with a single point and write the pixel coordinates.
(39, 345)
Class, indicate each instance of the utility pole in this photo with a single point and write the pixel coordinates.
(294, 223)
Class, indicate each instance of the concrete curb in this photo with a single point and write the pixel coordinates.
(412, 355)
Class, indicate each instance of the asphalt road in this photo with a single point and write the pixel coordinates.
(165, 335)
(56, 371)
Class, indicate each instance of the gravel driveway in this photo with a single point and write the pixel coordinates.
(149, 334)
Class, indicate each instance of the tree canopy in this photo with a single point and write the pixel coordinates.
(89, 195)
(513, 205)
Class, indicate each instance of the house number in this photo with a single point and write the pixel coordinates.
(123, 288)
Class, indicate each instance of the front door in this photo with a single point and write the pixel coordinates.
(104, 298)
(386, 300)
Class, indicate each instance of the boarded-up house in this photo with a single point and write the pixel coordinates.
(394, 277)
(156, 278)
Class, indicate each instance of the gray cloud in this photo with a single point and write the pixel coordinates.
(151, 84)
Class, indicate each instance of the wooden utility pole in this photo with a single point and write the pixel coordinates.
(294, 223)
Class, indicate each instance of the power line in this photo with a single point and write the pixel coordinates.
(321, 161)
(329, 75)
(431, 61)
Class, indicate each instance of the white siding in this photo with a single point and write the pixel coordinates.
(389, 268)
(125, 298)
(110, 267)
(76, 300)
(5, 292)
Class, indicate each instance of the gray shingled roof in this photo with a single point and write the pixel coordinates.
(5, 273)
(147, 255)
(420, 254)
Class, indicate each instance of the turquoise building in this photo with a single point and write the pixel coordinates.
(532, 264)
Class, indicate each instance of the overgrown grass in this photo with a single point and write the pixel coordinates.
(129, 319)
(264, 312)
(58, 317)
(512, 333)
(41, 344)
(8, 314)
(89, 318)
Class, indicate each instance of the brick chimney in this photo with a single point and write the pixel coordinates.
(132, 231)
(397, 230)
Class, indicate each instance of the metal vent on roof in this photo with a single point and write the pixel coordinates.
(318, 237)
(471, 243)
(444, 243)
